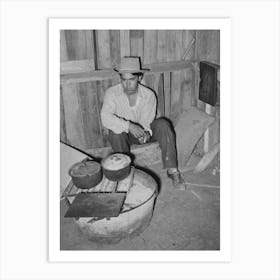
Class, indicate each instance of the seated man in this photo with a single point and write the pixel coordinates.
(129, 111)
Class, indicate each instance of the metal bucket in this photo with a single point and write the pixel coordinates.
(130, 222)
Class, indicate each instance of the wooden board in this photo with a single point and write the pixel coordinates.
(103, 49)
(187, 37)
(167, 93)
(150, 46)
(100, 75)
(161, 46)
(186, 89)
(73, 116)
(124, 43)
(208, 45)
(90, 114)
(175, 96)
(79, 44)
(115, 47)
(159, 88)
(137, 43)
(63, 47)
(63, 135)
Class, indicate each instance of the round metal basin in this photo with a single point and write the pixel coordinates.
(134, 217)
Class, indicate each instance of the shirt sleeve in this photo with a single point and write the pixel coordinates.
(108, 117)
(148, 112)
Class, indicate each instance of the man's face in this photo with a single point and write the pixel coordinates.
(130, 83)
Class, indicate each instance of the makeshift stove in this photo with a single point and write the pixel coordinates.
(113, 210)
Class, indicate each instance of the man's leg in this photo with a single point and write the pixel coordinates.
(164, 135)
(121, 142)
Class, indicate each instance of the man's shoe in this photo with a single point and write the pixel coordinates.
(177, 180)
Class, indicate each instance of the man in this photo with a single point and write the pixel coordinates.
(129, 111)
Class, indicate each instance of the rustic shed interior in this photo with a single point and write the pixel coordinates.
(88, 56)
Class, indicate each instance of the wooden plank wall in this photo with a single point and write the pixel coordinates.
(81, 102)
(207, 48)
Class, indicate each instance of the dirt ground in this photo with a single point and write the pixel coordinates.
(182, 220)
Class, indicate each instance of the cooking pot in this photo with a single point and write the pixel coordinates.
(116, 167)
(86, 174)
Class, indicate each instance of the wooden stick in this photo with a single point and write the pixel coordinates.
(188, 48)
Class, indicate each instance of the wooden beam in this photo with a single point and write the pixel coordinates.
(76, 66)
(107, 74)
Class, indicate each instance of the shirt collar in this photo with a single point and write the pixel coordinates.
(140, 91)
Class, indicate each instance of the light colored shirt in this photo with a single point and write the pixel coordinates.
(116, 111)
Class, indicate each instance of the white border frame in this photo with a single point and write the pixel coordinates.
(224, 254)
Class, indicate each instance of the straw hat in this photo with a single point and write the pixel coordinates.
(130, 65)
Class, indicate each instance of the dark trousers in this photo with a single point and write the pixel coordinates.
(162, 133)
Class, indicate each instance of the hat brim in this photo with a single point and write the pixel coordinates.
(131, 71)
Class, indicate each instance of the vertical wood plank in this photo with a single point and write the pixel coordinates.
(186, 90)
(174, 51)
(115, 47)
(124, 43)
(106, 56)
(161, 46)
(90, 114)
(103, 49)
(187, 37)
(175, 96)
(63, 47)
(63, 135)
(79, 44)
(160, 94)
(90, 50)
(208, 45)
(137, 43)
(167, 93)
(150, 46)
(73, 116)
(174, 44)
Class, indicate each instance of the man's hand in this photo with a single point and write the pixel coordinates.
(136, 130)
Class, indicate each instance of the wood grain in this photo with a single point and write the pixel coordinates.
(99, 75)
(63, 135)
(103, 49)
(73, 116)
(63, 47)
(150, 46)
(137, 43)
(115, 47)
(124, 43)
(167, 93)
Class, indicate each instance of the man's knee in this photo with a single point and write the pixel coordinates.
(116, 136)
(161, 125)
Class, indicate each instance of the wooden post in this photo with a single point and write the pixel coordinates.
(167, 93)
(206, 133)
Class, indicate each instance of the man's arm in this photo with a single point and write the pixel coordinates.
(108, 117)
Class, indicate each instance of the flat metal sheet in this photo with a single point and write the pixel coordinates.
(96, 205)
